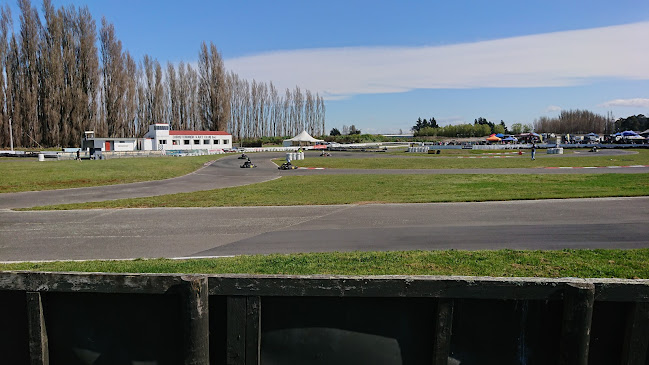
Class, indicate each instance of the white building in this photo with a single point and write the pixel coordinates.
(161, 138)
(108, 144)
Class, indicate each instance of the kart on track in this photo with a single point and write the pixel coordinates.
(243, 157)
(248, 165)
(287, 166)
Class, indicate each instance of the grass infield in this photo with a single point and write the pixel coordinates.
(30, 175)
(358, 189)
(629, 264)
(422, 161)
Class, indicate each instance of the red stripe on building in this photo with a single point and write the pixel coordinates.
(198, 133)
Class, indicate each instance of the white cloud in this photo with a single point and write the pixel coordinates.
(544, 60)
(455, 119)
(553, 108)
(636, 103)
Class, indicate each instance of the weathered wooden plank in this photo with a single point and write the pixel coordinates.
(636, 339)
(195, 319)
(429, 287)
(89, 282)
(236, 330)
(384, 286)
(621, 290)
(443, 330)
(38, 343)
(253, 330)
(576, 324)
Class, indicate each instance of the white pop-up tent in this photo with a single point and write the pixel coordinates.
(302, 139)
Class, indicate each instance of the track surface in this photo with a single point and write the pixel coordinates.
(183, 232)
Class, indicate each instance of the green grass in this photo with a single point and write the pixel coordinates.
(502, 263)
(353, 189)
(462, 152)
(30, 175)
(455, 162)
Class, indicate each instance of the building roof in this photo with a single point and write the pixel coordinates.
(198, 133)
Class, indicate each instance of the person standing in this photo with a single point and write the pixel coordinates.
(78, 155)
(533, 151)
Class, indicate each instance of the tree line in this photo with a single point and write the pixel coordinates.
(638, 123)
(575, 122)
(481, 127)
(60, 77)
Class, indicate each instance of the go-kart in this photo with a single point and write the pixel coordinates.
(243, 157)
(594, 149)
(248, 165)
(325, 154)
(287, 166)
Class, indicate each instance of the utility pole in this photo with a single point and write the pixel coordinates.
(11, 135)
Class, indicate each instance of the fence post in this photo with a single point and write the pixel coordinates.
(578, 299)
(243, 330)
(253, 330)
(236, 330)
(443, 330)
(38, 344)
(636, 339)
(196, 320)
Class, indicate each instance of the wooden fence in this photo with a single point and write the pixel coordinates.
(147, 319)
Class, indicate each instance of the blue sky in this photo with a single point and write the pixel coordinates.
(383, 64)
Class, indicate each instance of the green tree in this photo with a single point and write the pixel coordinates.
(499, 129)
(635, 123)
(334, 132)
(517, 128)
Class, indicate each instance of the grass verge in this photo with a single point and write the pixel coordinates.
(456, 162)
(352, 189)
(629, 264)
(30, 175)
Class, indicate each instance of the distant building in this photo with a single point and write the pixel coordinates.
(92, 143)
(161, 138)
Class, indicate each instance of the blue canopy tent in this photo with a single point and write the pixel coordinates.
(510, 139)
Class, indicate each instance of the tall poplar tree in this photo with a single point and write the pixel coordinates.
(213, 93)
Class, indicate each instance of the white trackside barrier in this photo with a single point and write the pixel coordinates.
(418, 149)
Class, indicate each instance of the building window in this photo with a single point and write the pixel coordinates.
(176, 142)
(216, 141)
(206, 141)
(186, 141)
(163, 141)
(161, 127)
(197, 141)
(226, 141)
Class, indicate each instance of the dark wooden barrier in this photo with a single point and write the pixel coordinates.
(146, 319)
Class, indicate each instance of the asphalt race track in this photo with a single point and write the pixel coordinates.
(183, 232)
(193, 232)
